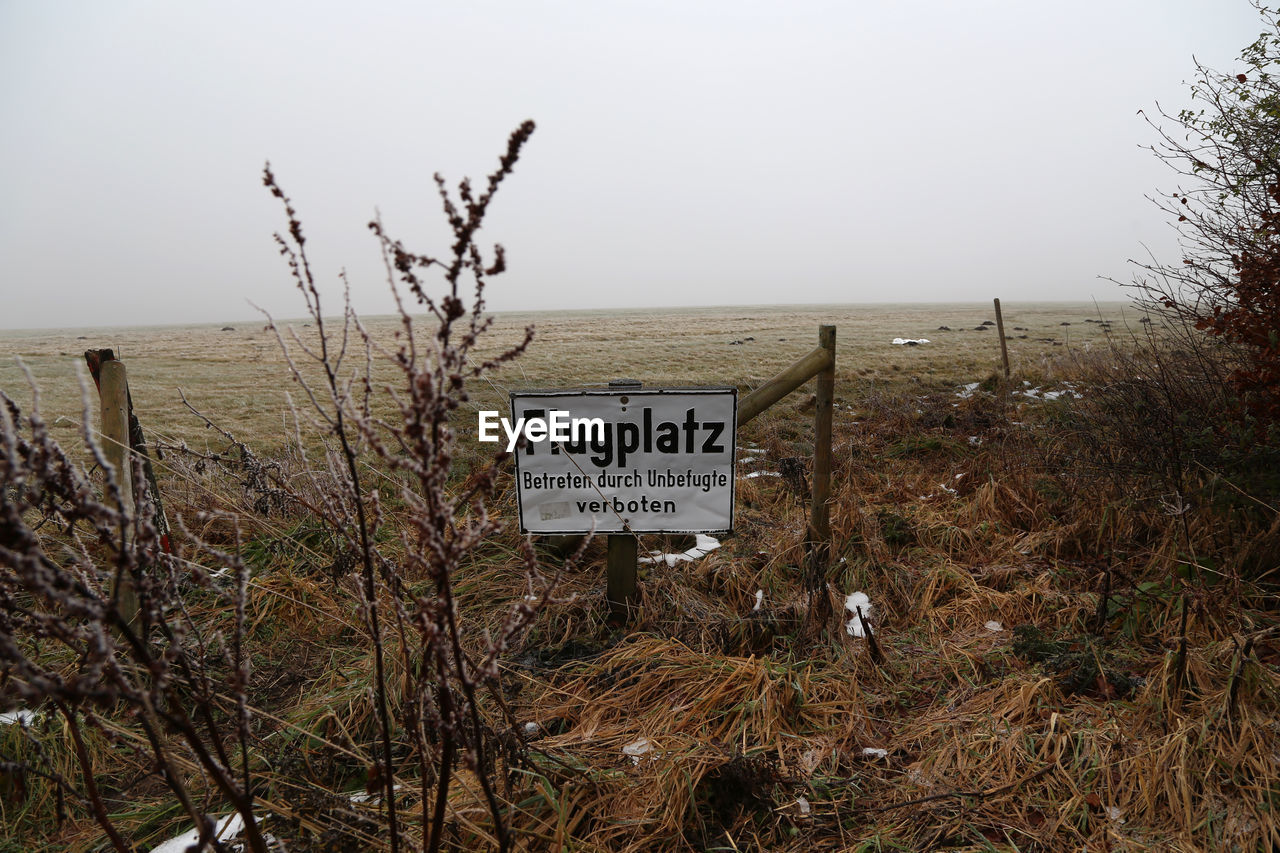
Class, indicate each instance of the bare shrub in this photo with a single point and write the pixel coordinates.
(65, 646)
(379, 485)
(1227, 212)
(1154, 414)
(437, 528)
(1162, 440)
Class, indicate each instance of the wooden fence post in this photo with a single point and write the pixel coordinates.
(623, 549)
(820, 512)
(137, 444)
(822, 364)
(114, 392)
(1004, 346)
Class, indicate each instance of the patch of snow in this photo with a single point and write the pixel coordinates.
(637, 749)
(226, 829)
(857, 601)
(875, 752)
(994, 627)
(373, 799)
(909, 342)
(1068, 390)
(755, 474)
(1115, 815)
(967, 391)
(804, 806)
(705, 545)
(975, 440)
(947, 489)
(759, 600)
(22, 717)
(531, 728)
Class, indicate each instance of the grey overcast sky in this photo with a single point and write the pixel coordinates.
(687, 153)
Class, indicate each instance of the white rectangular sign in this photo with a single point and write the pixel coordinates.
(644, 460)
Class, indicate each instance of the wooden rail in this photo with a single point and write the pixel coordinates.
(823, 358)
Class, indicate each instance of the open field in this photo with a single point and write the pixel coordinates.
(239, 378)
(1070, 657)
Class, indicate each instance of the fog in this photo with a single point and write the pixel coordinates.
(686, 153)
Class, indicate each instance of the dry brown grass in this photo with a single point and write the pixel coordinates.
(758, 729)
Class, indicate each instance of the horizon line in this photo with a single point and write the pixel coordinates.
(627, 308)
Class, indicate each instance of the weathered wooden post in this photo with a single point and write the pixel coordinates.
(820, 512)
(1004, 346)
(137, 444)
(114, 394)
(822, 364)
(623, 551)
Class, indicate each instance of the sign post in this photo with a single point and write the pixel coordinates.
(620, 564)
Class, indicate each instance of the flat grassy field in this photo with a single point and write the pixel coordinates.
(1066, 656)
(239, 379)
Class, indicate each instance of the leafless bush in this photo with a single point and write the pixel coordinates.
(441, 708)
(407, 534)
(1154, 413)
(1226, 210)
(65, 645)
(1159, 425)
